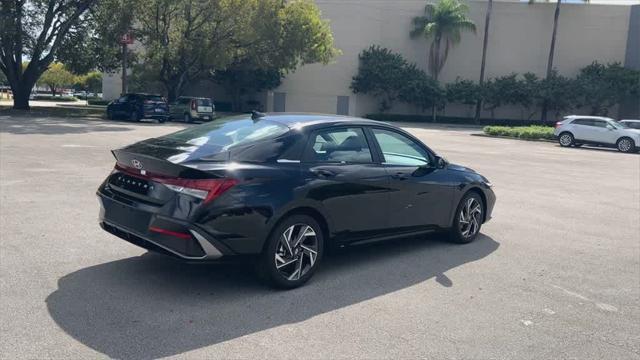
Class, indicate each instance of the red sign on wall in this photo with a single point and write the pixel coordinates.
(126, 39)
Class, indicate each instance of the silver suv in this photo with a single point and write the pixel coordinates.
(576, 130)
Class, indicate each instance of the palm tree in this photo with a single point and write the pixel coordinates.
(552, 50)
(442, 23)
(484, 57)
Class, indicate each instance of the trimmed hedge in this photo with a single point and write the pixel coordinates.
(449, 120)
(54, 98)
(534, 132)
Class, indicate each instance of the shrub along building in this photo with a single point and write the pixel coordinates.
(519, 41)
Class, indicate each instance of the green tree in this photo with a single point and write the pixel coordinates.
(552, 48)
(186, 39)
(602, 86)
(57, 76)
(35, 29)
(506, 90)
(559, 93)
(420, 89)
(382, 74)
(442, 24)
(91, 82)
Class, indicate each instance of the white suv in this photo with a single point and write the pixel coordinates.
(576, 130)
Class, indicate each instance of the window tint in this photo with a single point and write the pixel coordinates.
(633, 125)
(600, 123)
(398, 149)
(586, 122)
(347, 145)
(122, 99)
(155, 98)
(222, 135)
(203, 102)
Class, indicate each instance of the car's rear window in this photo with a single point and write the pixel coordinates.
(223, 134)
(153, 97)
(203, 102)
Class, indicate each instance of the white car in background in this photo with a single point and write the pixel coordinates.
(576, 130)
(633, 124)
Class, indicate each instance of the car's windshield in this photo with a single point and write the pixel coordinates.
(618, 125)
(223, 134)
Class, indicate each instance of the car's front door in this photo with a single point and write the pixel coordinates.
(342, 173)
(599, 132)
(422, 193)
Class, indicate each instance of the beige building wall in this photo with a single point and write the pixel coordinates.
(519, 42)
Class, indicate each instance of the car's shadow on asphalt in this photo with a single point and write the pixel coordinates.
(153, 306)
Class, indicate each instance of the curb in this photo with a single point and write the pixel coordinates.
(513, 138)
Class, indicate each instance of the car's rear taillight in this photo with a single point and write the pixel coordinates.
(193, 104)
(558, 124)
(205, 189)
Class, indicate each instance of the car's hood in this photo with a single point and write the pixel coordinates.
(460, 168)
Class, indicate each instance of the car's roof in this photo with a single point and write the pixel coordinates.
(295, 120)
(587, 117)
(193, 97)
(629, 120)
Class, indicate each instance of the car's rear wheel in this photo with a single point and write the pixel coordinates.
(626, 145)
(566, 139)
(292, 253)
(468, 218)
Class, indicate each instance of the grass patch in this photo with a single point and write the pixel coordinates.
(97, 101)
(54, 98)
(54, 111)
(534, 132)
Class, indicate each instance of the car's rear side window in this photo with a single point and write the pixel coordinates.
(341, 145)
(587, 122)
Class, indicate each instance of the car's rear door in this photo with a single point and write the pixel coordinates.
(343, 174)
(581, 129)
(421, 193)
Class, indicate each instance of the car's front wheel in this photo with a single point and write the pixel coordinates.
(468, 218)
(626, 144)
(293, 252)
(565, 139)
(134, 116)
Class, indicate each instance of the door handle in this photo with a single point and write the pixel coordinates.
(323, 172)
(400, 176)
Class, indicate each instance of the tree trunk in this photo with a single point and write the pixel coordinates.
(552, 50)
(484, 59)
(53, 90)
(21, 99)
(436, 72)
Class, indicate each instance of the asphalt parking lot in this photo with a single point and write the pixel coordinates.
(555, 275)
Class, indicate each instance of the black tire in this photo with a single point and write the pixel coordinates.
(457, 232)
(284, 276)
(134, 116)
(566, 139)
(626, 145)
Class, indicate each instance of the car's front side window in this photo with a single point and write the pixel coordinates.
(343, 145)
(398, 149)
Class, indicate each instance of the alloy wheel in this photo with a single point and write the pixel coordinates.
(470, 217)
(297, 251)
(565, 140)
(624, 145)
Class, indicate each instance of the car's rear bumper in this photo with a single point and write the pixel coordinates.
(159, 233)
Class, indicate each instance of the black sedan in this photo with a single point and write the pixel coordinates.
(136, 106)
(281, 188)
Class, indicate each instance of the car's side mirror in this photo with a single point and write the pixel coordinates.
(441, 162)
